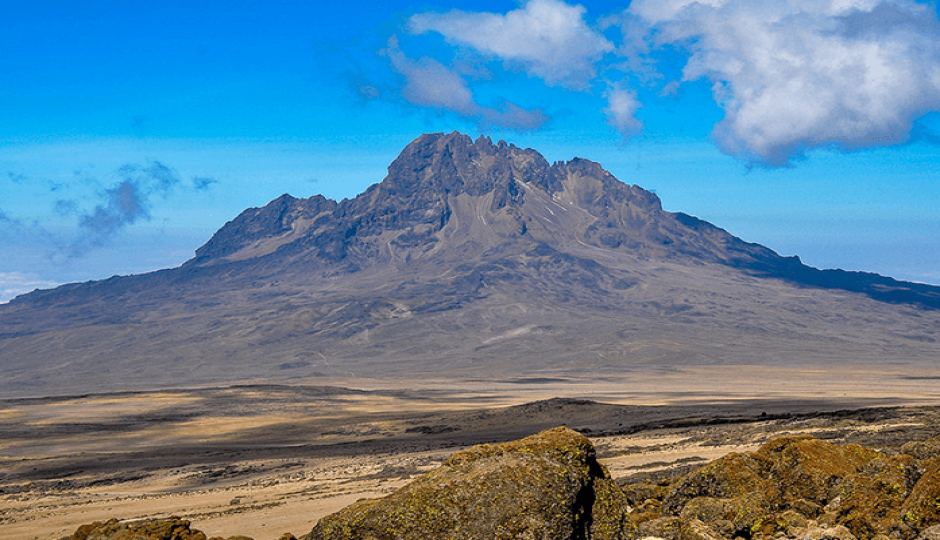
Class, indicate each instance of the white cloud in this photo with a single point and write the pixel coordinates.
(790, 75)
(794, 75)
(429, 83)
(13, 284)
(621, 111)
(548, 38)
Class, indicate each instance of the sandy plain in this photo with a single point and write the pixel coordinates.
(262, 459)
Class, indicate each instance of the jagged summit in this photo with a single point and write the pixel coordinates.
(467, 254)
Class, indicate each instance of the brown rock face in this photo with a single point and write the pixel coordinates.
(546, 486)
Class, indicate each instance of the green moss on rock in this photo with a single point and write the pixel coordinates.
(547, 486)
(172, 528)
(921, 509)
(808, 468)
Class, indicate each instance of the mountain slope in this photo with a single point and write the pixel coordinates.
(469, 257)
(441, 185)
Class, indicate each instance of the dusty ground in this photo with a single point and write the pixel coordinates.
(261, 460)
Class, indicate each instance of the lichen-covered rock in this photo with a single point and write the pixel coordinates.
(609, 511)
(734, 475)
(820, 533)
(734, 489)
(695, 529)
(706, 509)
(791, 480)
(930, 533)
(921, 510)
(928, 449)
(172, 528)
(664, 528)
(547, 486)
(870, 500)
(790, 520)
(806, 508)
(808, 468)
(638, 494)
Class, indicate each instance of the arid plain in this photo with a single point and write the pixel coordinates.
(263, 459)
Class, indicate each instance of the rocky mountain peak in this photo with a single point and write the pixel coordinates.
(449, 197)
(480, 192)
(467, 254)
(454, 163)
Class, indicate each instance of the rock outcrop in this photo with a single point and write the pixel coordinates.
(551, 486)
(172, 528)
(548, 486)
(801, 487)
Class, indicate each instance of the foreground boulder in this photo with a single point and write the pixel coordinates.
(547, 486)
(550, 487)
(172, 528)
(801, 487)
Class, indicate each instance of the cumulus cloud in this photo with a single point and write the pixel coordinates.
(792, 75)
(124, 203)
(621, 111)
(547, 38)
(428, 83)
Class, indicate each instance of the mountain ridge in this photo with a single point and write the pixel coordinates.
(417, 200)
(468, 253)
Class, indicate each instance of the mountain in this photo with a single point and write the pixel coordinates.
(470, 259)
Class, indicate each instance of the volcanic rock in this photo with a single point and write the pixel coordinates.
(546, 486)
(551, 486)
(172, 528)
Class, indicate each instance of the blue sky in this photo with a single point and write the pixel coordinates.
(132, 130)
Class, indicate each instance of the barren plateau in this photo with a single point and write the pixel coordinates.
(262, 460)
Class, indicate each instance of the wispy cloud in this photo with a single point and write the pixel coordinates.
(98, 209)
(203, 182)
(16, 178)
(512, 116)
(124, 203)
(13, 284)
(428, 83)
